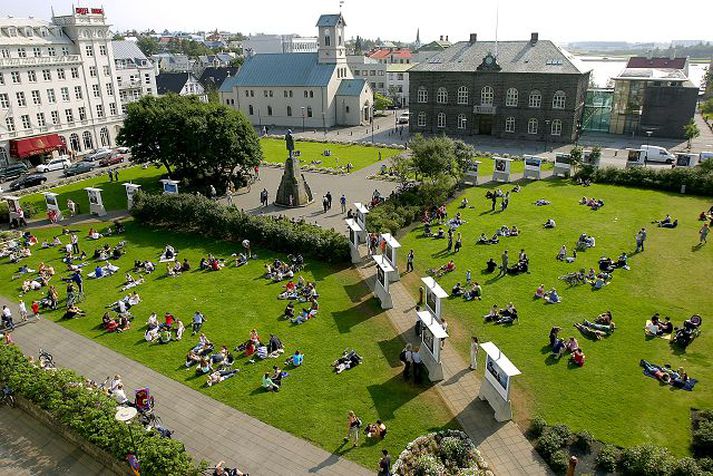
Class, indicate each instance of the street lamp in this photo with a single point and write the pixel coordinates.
(303, 119)
(324, 122)
(125, 415)
(547, 134)
(372, 126)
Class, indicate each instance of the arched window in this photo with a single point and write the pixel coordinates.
(421, 119)
(442, 96)
(532, 126)
(327, 40)
(104, 137)
(556, 128)
(87, 140)
(486, 96)
(74, 143)
(251, 111)
(4, 159)
(511, 97)
(535, 99)
(510, 124)
(463, 95)
(422, 95)
(269, 110)
(289, 111)
(441, 119)
(559, 100)
(462, 121)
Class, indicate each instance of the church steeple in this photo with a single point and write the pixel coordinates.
(331, 47)
(417, 44)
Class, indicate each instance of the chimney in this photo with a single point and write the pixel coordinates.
(533, 38)
(441, 37)
(473, 38)
(446, 37)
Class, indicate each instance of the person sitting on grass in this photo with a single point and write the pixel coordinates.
(551, 297)
(514, 231)
(578, 358)
(440, 235)
(507, 315)
(73, 311)
(289, 311)
(180, 329)
(295, 360)
(601, 280)
(550, 223)
(666, 221)
(427, 229)
(220, 375)
(562, 254)
(476, 292)
(151, 334)
(492, 315)
(446, 268)
(558, 348)
(540, 292)
(672, 224)
(108, 323)
(652, 328)
(375, 430)
(491, 266)
(666, 327)
(192, 358)
(457, 290)
(185, 266)
(572, 344)
(169, 253)
(204, 366)
(268, 384)
(240, 259)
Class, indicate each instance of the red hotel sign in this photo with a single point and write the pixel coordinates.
(86, 11)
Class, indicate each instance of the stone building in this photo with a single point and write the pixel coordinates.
(531, 90)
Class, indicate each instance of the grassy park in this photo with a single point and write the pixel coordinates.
(609, 396)
(314, 401)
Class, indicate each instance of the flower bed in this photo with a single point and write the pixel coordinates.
(446, 453)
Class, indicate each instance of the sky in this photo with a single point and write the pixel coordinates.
(558, 20)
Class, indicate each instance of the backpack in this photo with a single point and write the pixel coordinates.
(402, 356)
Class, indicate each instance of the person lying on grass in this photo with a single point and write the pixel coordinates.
(484, 240)
(502, 316)
(240, 259)
(666, 221)
(446, 268)
(220, 375)
(666, 374)
(72, 312)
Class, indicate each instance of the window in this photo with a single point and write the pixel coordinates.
(82, 113)
(309, 111)
(510, 124)
(535, 99)
(250, 110)
(36, 100)
(4, 101)
(65, 94)
(4, 159)
(95, 90)
(2, 79)
(25, 121)
(74, 143)
(290, 93)
(93, 71)
(90, 50)
(556, 128)
(269, 110)
(5, 53)
(78, 92)
(65, 51)
(265, 92)
(442, 96)
(69, 116)
(147, 78)
(247, 93)
(10, 124)
(55, 117)
(511, 98)
(112, 108)
(356, 72)
(51, 51)
(15, 75)
(75, 73)
(41, 122)
(327, 40)
(32, 76)
(60, 74)
(36, 52)
(102, 50)
(106, 70)
(104, 136)
(100, 110)
(284, 93)
(87, 139)
(441, 119)
(289, 111)
(311, 93)
(559, 100)
(110, 89)
(462, 95)
(252, 93)
(422, 95)
(532, 126)
(462, 121)
(421, 119)
(21, 99)
(486, 96)
(46, 75)
(21, 53)
(306, 94)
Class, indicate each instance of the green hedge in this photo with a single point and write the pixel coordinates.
(196, 214)
(698, 180)
(90, 415)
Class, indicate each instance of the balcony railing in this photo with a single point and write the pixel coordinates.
(486, 110)
(40, 61)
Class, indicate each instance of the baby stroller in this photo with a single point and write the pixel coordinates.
(690, 330)
(143, 401)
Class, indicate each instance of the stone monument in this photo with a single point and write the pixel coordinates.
(294, 190)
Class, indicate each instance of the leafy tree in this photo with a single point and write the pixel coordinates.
(691, 131)
(435, 159)
(382, 102)
(203, 143)
(236, 62)
(148, 45)
(117, 37)
(707, 106)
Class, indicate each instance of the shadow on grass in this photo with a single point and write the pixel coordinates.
(354, 316)
(391, 348)
(391, 395)
(357, 291)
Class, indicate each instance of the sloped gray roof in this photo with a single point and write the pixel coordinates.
(330, 20)
(171, 82)
(512, 56)
(351, 87)
(127, 50)
(281, 70)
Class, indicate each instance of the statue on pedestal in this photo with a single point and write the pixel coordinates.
(294, 190)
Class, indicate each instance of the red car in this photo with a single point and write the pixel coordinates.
(113, 159)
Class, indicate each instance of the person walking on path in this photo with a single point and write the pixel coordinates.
(329, 200)
(406, 358)
(474, 347)
(110, 173)
(23, 310)
(7, 318)
(343, 203)
(640, 238)
(325, 203)
(505, 261)
(385, 463)
(703, 234)
(409, 261)
(35, 309)
(353, 425)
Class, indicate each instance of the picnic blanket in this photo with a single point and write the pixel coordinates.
(688, 386)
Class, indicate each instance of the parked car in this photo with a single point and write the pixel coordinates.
(12, 171)
(59, 163)
(653, 153)
(98, 154)
(29, 180)
(123, 150)
(113, 159)
(403, 118)
(78, 168)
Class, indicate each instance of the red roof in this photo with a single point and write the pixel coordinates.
(28, 146)
(666, 63)
(384, 53)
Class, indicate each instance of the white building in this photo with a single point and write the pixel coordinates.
(135, 74)
(265, 44)
(397, 83)
(370, 70)
(58, 86)
(315, 90)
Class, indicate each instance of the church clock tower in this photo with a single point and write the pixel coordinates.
(331, 47)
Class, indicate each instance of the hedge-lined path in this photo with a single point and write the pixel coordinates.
(502, 445)
(29, 448)
(209, 429)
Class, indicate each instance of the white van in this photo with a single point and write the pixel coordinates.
(706, 155)
(654, 153)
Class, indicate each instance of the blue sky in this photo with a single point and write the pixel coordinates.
(559, 20)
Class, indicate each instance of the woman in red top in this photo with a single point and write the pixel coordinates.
(169, 319)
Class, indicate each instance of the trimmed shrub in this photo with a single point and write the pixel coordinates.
(563, 432)
(698, 180)
(196, 214)
(537, 427)
(549, 443)
(559, 461)
(454, 449)
(686, 467)
(646, 460)
(608, 458)
(90, 414)
(583, 441)
(703, 438)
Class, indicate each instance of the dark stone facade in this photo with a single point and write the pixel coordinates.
(667, 109)
(573, 85)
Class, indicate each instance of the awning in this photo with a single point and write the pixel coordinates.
(28, 146)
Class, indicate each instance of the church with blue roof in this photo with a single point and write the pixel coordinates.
(302, 90)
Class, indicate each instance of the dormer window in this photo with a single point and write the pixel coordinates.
(12, 31)
(28, 32)
(327, 40)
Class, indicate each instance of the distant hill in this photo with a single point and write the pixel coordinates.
(700, 50)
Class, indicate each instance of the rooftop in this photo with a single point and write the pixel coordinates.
(351, 87)
(384, 53)
(331, 20)
(669, 63)
(280, 70)
(171, 82)
(127, 50)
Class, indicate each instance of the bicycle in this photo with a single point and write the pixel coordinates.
(7, 398)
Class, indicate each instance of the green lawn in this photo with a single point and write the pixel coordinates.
(114, 193)
(314, 400)
(360, 156)
(485, 169)
(609, 396)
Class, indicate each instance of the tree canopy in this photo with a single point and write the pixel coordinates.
(382, 102)
(438, 159)
(202, 143)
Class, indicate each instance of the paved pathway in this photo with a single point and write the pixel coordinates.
(28, 448)
(209, 429)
